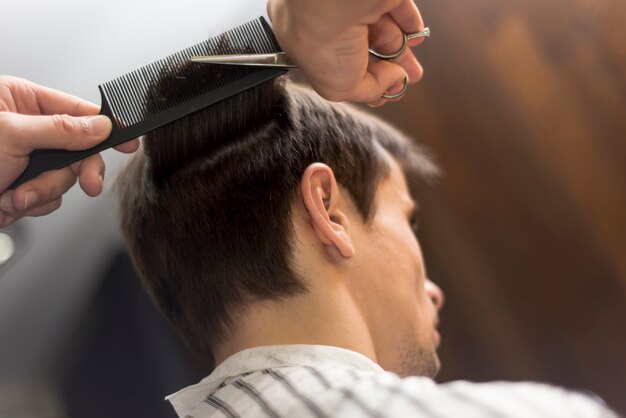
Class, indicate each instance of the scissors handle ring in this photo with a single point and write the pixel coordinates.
(405, 41)
(405, 87)
(424, 33)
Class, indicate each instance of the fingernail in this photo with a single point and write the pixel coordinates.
(98, 124)
(30, 200)
(6, 202)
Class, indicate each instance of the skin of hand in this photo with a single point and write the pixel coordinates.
(35, 117)
(329, 40)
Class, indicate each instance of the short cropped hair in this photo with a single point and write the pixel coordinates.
(206, 206)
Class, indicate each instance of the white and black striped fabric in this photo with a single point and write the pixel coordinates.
(299, 381)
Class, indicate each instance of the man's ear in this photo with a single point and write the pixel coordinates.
(322, 198)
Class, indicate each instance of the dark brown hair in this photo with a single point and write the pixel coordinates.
(206, 206)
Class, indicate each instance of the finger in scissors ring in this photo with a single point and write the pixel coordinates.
(405, 87)
(405, 41)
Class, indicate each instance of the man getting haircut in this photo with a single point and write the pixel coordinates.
(275, 232)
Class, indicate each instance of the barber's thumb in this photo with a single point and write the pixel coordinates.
(80, 132)
(60, 131)
(97, 125)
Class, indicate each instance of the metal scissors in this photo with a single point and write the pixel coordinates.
(281, 60)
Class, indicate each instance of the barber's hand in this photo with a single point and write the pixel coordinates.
(329, 40)
(34, 117)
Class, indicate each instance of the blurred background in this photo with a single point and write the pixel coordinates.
(524, 106)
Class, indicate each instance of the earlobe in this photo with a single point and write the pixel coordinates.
(322, 198)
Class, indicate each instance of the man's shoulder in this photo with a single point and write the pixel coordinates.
(388, 393)
(345, 392)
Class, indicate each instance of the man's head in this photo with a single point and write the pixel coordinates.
(275, 217)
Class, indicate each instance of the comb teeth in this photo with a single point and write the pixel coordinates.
(126, 95)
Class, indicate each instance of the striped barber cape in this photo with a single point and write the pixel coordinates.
(298, 381)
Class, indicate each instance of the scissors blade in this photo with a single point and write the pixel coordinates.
(278, 59)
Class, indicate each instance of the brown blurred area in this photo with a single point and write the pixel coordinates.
(523, 104)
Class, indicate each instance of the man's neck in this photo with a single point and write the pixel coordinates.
(325, 319)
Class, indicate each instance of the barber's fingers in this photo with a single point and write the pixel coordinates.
(46, 208)
(408, 18)
(90, 172)
(128, 147)
(8, 218)
(411, 66)
(24, 133)
(385, 36)
(381, 77)
(42, 195)
(396, 88)
(38, 192)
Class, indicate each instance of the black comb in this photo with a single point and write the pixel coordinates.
(126, 99)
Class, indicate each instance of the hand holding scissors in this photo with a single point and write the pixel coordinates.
(329, 41)
(281, 60)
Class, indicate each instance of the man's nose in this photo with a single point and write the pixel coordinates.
(435, 294)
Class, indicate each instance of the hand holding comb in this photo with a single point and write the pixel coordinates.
(126, 100)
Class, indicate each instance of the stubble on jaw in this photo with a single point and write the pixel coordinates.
(414, 360)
